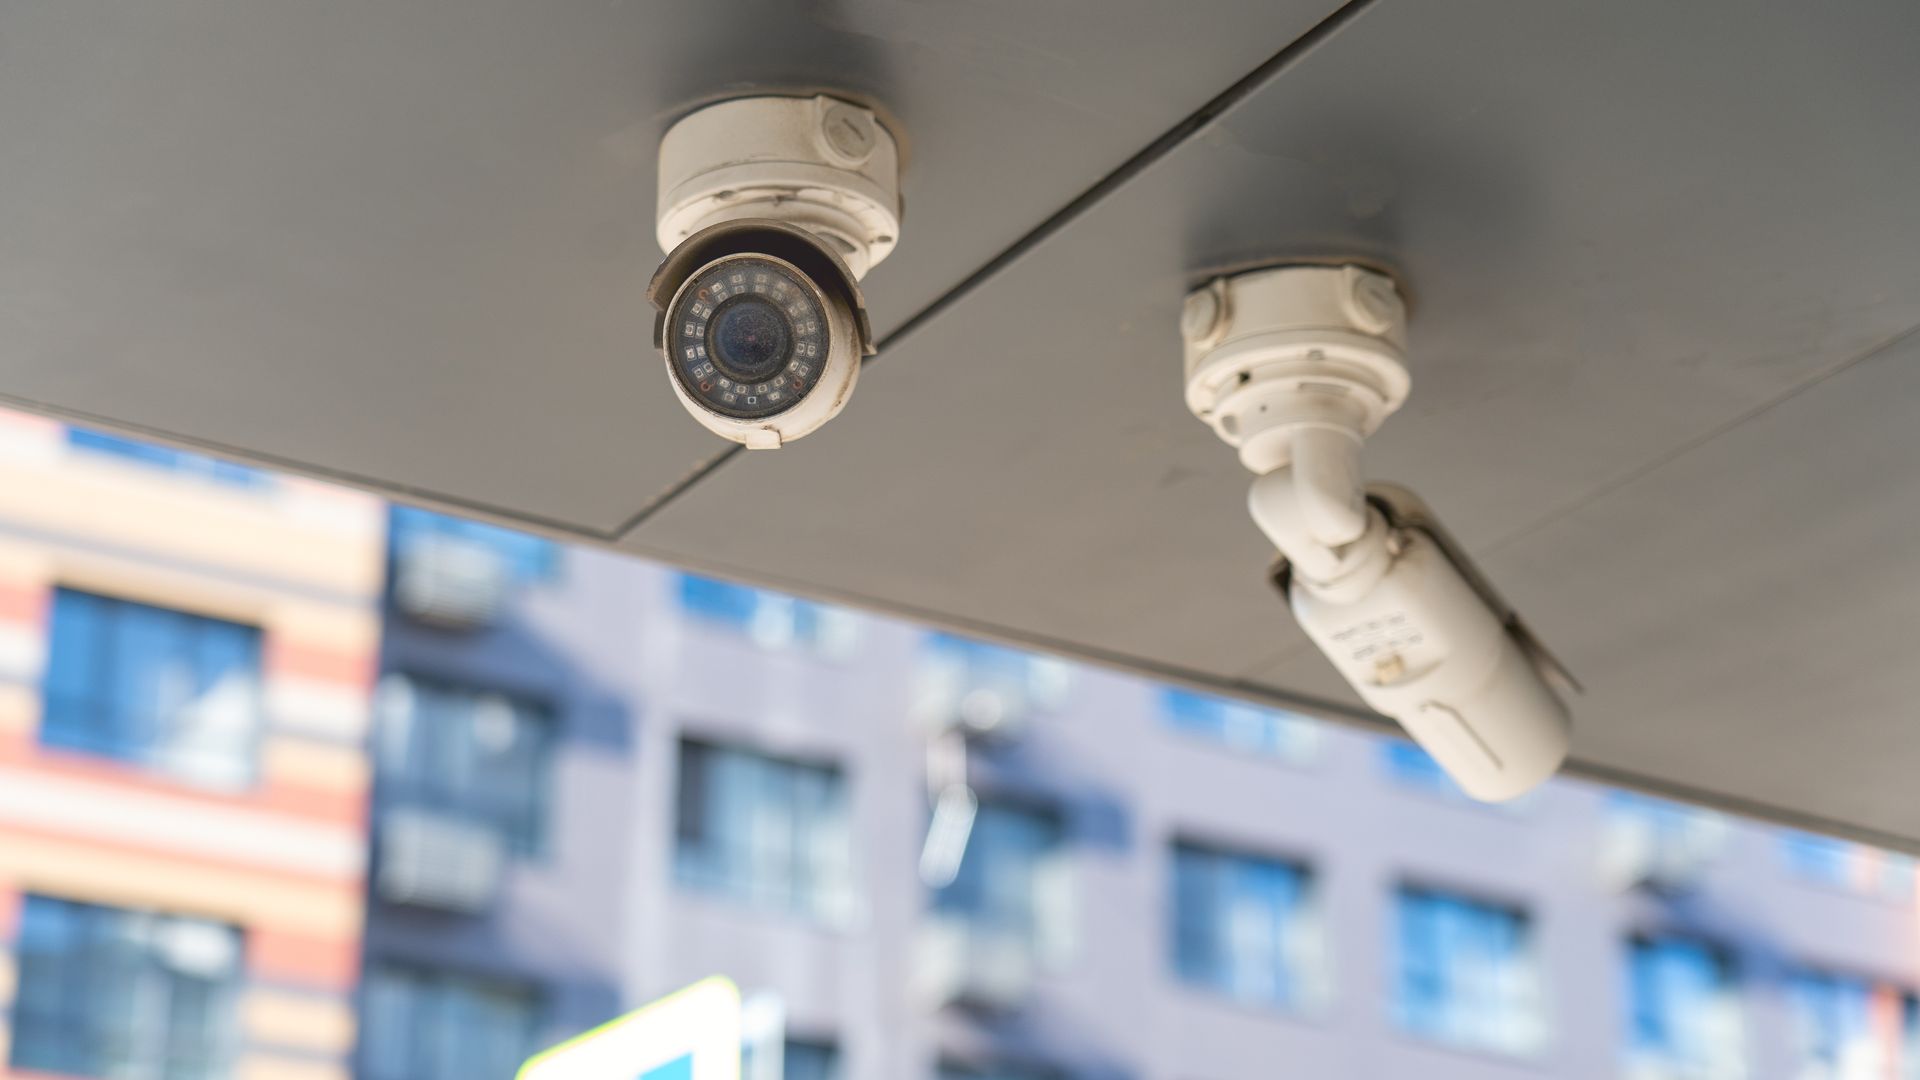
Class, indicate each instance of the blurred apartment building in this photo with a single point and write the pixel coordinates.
(187, 657)
(597, 780)
(949, 860)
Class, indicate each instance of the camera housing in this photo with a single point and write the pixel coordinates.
(1422, 636)
(771, 210)
(762, 327)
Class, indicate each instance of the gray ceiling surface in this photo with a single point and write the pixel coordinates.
(1662, 260)
(409, 243)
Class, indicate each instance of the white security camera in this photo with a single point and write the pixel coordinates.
(771, 210)
(1295, 366)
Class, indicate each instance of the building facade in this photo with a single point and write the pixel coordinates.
(295, 787)
(948, 860)
(187, 657)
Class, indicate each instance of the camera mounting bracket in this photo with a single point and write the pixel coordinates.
(1295, 366)
(823, 164)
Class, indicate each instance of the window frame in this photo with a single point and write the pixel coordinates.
(1536, 1015)
(531, 559)
(149, 754)
(140, 970)
(703, 863)
(1306, 976)
(1303, 748)
(438, 979)
(819, 629)
(530, 843)
(206, 468)
(1906, 1052)
(1046, 928)
(1730, 986)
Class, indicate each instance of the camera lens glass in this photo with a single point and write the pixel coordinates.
(748, 336)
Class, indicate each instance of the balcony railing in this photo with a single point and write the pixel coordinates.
(438, 861)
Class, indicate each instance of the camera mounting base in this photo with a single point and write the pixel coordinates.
(1272, 354)
(824, 164)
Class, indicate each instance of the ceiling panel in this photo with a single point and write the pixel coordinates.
(406, 244)
(1628, 229)
(1657, 254)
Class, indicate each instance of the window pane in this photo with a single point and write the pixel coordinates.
(527, 557)
(765, 831)
(1467, 974)
(769, 618)
(1000, 887)
(1242, 926)
(1662, 845)
(719, 601)
(1413, 767)
(423, 1025)
(1239, 725)
(810, 1061)
(1818, 858)
(1684, 1016)
(176, 692)
(1849, 1028)
(478, 755)
(108, 992)
(1855, 867)
(165, 457)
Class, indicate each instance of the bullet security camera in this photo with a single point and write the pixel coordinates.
(1295, 367)
(771, 210)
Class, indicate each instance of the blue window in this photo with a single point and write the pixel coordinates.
(764, 831)
(1467, 973)
(1657, 843)
(1818, 858)
(474, 754)
(1243, 926)
(770, 618)
(436, 1025)
(165, 457)
(1240, 725)
(1010, 877)
(174, 692)
(108, 992)
(1683, 1009)
(986, 663)
(1847, 1028)
(1842, 864)
(984, 687)
(1413, 767)
(527, 557)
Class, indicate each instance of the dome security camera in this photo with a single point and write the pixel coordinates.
(763, 329)
(771, 210)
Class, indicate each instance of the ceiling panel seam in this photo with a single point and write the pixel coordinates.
(1165, 144)
(1608, 487)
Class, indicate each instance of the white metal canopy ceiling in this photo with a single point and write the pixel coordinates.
(1665, 263)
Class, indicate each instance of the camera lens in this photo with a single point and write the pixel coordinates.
(749, 338)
